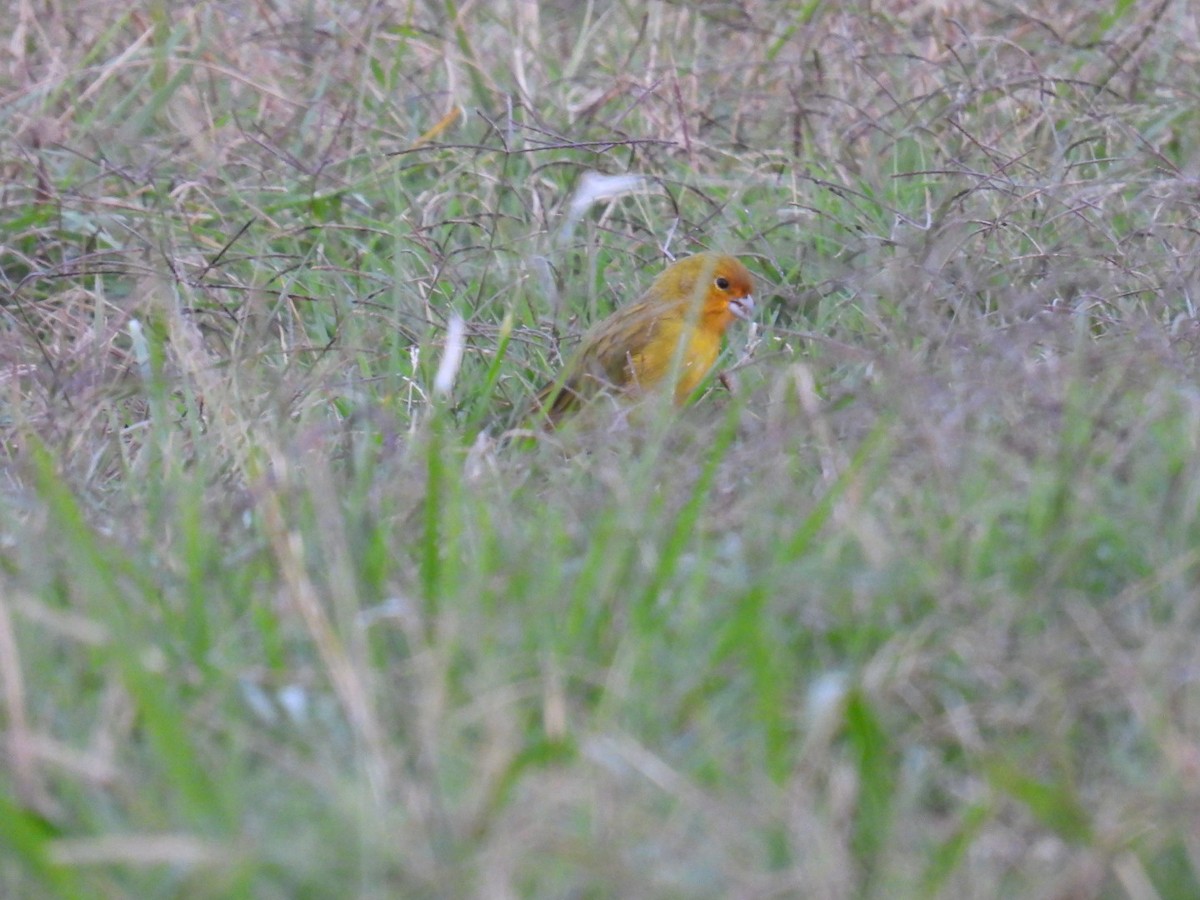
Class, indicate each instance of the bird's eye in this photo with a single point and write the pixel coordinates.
(723, 283)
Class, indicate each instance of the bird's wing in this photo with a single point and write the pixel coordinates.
(605, 359)
(612, 355)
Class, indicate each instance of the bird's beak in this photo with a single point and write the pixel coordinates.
(742, 307)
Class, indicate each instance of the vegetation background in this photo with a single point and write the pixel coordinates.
(907, 607)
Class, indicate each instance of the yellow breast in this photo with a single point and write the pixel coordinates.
(656, 362)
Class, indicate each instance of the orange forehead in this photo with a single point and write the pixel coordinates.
(740, 282)
(700, 272)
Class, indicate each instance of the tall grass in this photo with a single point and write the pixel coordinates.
(903, 606)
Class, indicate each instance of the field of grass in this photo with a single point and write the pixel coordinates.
(906, 604)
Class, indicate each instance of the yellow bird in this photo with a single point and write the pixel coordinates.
(671, 333)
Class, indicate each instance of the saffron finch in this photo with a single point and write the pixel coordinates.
(670, 336)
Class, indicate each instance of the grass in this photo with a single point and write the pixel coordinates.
(906, 608)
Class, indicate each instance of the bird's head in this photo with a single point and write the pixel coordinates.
(720, 286)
